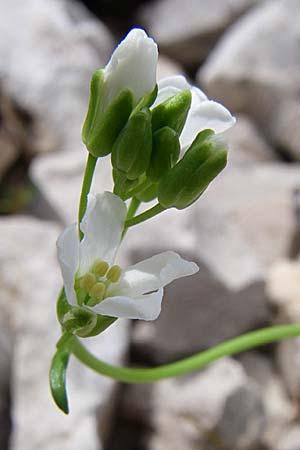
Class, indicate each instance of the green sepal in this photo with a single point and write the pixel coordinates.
(58, 370)
(188, 179)
(132, 149)
(121, 183)
(96, 89)
(62, 306)
(88, 323)
(146, 101)
(172, 112)
(148, 194)
(106, 126)
(165, 153)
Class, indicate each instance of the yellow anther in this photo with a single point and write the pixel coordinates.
(100, 268)
(87, 281)
(98, 290)
(114, 273)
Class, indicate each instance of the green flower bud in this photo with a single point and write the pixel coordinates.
(102, 124)
(121, 183)
(165, 153)
(148, 194)
(172, 112)
(187, 180)
(132, 149)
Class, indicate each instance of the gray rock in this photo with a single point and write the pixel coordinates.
(30, 283)
(217, 408)
(167, 67)
(238, 228)
(280, 411)
(6, 356)
(288, 354)
(289, 440)
(188, 33)
(247, 145)
(190, 318)
(283, 288)
(58, 45)
(255, 69)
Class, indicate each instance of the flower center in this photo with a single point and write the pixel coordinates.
(91, 288)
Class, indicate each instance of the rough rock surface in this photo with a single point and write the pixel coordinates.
(247, 145)
(283, 288)
(58, 45)
(190, 318)
(30, 278)
(255, 69)
(288, 354)
(6, 355)
(217, 406)
(187, 32)
(241, 225)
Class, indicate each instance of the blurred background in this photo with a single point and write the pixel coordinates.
(244, 232)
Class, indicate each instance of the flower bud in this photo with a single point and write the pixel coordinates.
(147, 194)
(165, 153)
(121, 183)
(172, 112)
(132, 150)
(102, 127)
(187, 180)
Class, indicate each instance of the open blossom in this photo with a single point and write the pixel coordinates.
(203, 113)
(93, 280)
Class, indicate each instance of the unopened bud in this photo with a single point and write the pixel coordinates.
(165, 153)
(103, 123)
(187, 180)
(132, 149)
(172, 112)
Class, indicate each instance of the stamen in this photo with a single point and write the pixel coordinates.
(87, 281)
(100, 268)
(114, 274)
(97, 292)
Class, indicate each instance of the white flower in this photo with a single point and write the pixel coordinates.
(92, 280)
(132, 66)
(203, 113)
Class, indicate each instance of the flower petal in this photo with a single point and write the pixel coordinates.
(203, 115)
(102, 226)
(154, 273)
(169, 86)
(132, 66)
(67, 252)
(145, 307)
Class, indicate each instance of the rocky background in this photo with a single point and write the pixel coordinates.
(244, 233)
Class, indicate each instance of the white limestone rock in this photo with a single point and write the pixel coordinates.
(255, 69)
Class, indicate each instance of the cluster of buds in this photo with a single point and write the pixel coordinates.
(164, 138)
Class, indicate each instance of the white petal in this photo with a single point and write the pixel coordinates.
(67, 252)
(145, 307)
(132, 65)
(169, 86)
(102, 226)
(202, 115)
(154, 273)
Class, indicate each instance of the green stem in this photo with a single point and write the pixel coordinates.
(86, 186)
(195, 362)
(145, 215)
(132, 209)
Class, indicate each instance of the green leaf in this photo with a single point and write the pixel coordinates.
(57, 377)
